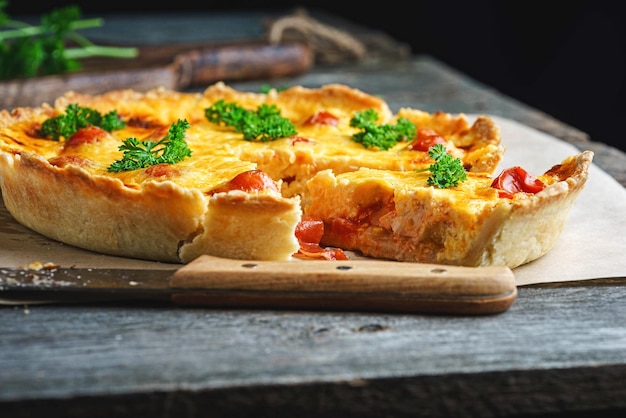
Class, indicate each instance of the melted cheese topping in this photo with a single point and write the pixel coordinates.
(219, 153)
(369, 186)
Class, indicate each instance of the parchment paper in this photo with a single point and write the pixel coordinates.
(593, 242)
(592, 245)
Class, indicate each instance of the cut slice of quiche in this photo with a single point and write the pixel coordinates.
(508, 220)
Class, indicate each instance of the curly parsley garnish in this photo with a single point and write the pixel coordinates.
(446, 171)
(264, 124)
(141, 154)
(378, 136)
(77, 117)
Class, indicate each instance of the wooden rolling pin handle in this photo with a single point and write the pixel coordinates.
(346, 285)
(239, 62)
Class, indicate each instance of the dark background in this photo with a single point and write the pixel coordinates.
(567, 59)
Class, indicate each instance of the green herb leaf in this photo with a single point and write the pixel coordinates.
(141, 154)
(266, 88)
(31, 50)
(264, 124)
(77, 117)
(446, 171)
(383, 136)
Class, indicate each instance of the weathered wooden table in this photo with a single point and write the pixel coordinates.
(560, 349)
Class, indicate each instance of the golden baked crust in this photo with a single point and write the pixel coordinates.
(174, 213)
(396, 215)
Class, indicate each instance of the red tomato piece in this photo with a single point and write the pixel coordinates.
(426, 138)
(310, 230)
(253, 180)
(309, 233)
(334, 254)
(322, 118)
(514, 180)
(344, 227)
(87, 135)
(162, 170)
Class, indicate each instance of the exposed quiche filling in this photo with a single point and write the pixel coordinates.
(393, 214)
(265, 198)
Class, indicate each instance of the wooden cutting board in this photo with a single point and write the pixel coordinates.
(177, 67)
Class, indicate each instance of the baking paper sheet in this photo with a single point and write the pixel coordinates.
(593, 242)
(592, 245)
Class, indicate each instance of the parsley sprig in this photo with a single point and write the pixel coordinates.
(77, 117)
(264, 124)
(381, 136)
(446, 171)
(52, 47)
(141, 154)
(266, 88)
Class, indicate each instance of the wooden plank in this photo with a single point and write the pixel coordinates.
(99, 353)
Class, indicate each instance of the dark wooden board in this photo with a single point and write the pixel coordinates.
(115, 359)
(175, 67)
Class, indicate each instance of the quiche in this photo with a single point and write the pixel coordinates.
(321, 188)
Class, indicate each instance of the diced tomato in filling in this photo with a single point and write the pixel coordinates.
(296, 139)
(322, 117)
(514, 180)
(162, 170)
(309, 233)
(426, 138)
(87, 135)
(342, 227)
(63, 160)
(310, 229)
(248, 181)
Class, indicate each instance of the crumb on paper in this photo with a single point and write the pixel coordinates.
(35, 273)
(38, 265)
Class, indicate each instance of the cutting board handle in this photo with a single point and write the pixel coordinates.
(355, 285)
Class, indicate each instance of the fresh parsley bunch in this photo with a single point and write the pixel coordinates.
(77, 117)
(264, 124)
(383, 137)
(52, 47)
(141, 154)
(446, 171)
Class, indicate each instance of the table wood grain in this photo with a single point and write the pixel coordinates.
(560, 349)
